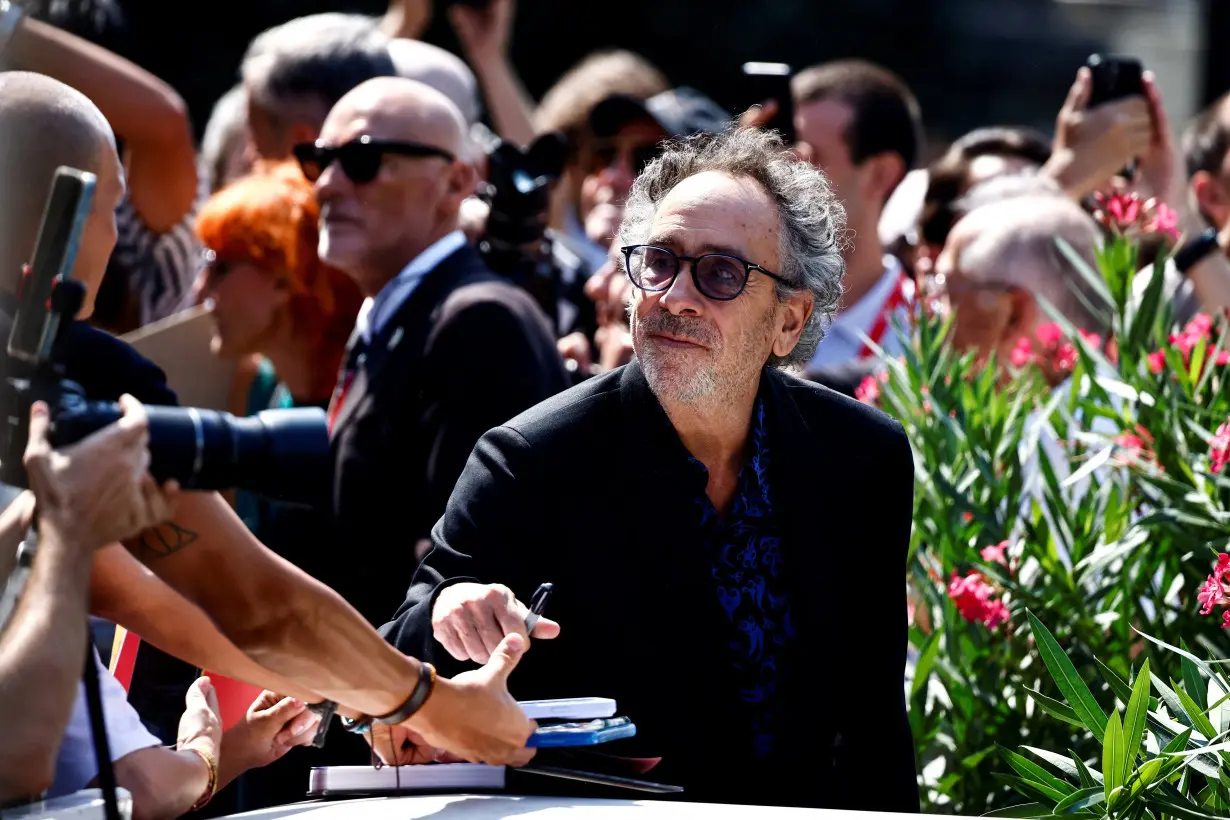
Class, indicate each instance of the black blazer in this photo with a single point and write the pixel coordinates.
(587, 491)
(466, 352)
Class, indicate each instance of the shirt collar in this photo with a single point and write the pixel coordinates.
(376, 312)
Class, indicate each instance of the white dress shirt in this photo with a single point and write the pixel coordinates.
(843, 343)
(376, 312)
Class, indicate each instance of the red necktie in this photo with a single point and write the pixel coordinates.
(354, 359)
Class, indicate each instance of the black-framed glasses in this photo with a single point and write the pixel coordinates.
(360, 158)
(717, 276)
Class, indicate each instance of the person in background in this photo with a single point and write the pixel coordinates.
(627, 135)
(88, 495)
(443, 349)
(566, 108)
(150, 273)
(860, 124)
(442, 70)
(295, 72)
(980, 155)
(269, 295)
(224, 146)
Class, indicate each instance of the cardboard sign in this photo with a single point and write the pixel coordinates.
(179, 345)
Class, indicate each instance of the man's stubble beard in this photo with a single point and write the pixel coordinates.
(708, 383)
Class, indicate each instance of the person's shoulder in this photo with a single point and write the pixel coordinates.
(832, 413)
(107, 367)
(571, 417)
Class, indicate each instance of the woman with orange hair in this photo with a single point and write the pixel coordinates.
(267, 290)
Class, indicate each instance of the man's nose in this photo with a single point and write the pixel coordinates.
(331, 183)
(682, 296)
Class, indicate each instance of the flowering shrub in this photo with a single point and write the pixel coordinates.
(1096, 506)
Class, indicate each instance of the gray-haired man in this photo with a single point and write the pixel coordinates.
(295, 72)
(702, 514)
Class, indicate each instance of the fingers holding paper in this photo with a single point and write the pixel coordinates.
(470, 620)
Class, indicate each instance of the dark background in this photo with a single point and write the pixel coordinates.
(971, 62)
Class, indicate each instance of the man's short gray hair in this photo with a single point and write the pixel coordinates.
(321, 57)
(811, 217)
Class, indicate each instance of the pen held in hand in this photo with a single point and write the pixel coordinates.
(537, 604)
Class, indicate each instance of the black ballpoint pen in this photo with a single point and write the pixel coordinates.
(537, 604)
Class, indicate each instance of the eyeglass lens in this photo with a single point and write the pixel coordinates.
(716, 276)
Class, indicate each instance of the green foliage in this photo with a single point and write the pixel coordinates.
(1109, 539)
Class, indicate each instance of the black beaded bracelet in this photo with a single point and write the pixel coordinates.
(422, 691)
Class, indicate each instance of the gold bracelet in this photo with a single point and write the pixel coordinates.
(212, 787)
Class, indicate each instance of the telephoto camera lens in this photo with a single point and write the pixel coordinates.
(282, 454)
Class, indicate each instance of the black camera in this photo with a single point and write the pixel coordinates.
(283, 454)
(517, 243)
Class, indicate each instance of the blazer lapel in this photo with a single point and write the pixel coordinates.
(405, 335)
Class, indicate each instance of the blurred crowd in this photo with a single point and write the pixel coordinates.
(351, 159)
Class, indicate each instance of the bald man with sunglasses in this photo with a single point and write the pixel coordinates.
(443, 349)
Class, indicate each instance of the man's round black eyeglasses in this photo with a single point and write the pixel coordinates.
(717, 276)
(360, 158)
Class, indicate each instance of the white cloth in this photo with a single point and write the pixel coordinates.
(76, 765)
(843, 342)
(376, 312)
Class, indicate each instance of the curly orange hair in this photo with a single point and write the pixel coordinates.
(269, 218)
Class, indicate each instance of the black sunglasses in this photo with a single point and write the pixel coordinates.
(717, 276)
(360, 158)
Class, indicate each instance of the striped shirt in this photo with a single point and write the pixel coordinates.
(160, 267)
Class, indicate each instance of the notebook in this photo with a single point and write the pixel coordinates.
(431, 777)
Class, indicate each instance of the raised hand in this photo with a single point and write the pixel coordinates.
(470, 620)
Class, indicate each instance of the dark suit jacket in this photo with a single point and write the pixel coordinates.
(467, 351)
(585, 491)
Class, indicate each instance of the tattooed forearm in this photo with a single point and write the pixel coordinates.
(163, 540)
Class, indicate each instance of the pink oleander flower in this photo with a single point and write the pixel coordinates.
(1157, 361)
(868, 390)
(977, 600)
(1219, 448)
(1049, 335)
(1066, 357)
(1127, 214)
(1164, 221)
(1023, 354)
(1214, 590)
(996, 554)
(1092, 339)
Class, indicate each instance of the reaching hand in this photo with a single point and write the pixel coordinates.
(1093, 144)
(485, 32)
(98, 491)
(201, 723)
(272, 727)
(470, 620)
(473, 715)
(399, 746)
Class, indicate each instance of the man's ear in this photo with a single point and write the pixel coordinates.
(1211, 198)
(795, 312)
(462, 180)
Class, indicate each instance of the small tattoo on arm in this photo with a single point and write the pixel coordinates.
(163, 540)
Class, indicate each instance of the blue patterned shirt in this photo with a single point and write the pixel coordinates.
(748, 578)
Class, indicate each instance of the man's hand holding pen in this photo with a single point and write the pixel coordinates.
(470, 620)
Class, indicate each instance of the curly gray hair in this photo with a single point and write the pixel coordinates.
(812, 218)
